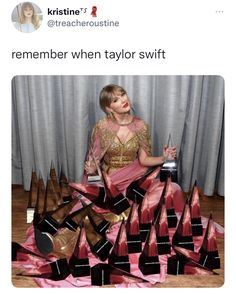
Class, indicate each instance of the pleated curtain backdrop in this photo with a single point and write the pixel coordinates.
(52, 117)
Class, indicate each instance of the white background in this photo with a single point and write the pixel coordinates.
(199, 39)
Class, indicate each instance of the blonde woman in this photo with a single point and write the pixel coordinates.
(28, 20)
(121, 147)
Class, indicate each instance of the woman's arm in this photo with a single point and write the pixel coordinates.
(146, 160)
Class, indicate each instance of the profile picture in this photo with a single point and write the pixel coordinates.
(27, 17)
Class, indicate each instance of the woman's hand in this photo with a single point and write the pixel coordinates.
(169, 153)
(90, 167)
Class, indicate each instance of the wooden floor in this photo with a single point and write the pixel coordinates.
(213, 204)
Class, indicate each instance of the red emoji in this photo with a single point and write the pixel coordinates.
(94, 11)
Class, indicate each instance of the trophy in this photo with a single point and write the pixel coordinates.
(96, 177)
(183, 236)
(149, 263)
(33, 194)
(169, 167)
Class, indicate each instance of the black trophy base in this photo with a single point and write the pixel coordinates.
(149, 265)
(118, 204)
(100, 274)
(210, 260)
(163, 245)
(102, 228)
(144, 230)
(166, 172)
(48, 225)
(16, 249)
(121, 262)
(183, 241)
(67, 199)
(134, 243)
(60, 269)
(197, 229)
(70, 224)
(171, 218)
(79, 267)
(135, 193)
(102, 249)
(101, 200)
(175, 265)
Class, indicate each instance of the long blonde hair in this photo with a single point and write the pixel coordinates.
(35, 19)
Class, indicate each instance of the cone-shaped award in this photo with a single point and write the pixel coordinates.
(145, 218)
(167, 199)
(100, 197)
(195, 257)
(52, 221)
(169, 166)
(99, 245)
(180, 265)
(192, 255)
(171, 215)
(95, 193)
(66, 191)
(106, 274)
(19, 253)
(137, 189)
(74, 219)
(162, 232)
(119, 256)
(194, 204)
(33, 194)
(40, 207)
(57, 188)
(118, 203)
(149, 260)
(79, 261)
(95, 177)
(209, 251)
(100, 224)
(183, 234)
(51, 200)
(132, 230)
(56, 271)
(192, 260)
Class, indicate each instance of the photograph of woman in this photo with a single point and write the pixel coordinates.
(27, 17)
(127, 228)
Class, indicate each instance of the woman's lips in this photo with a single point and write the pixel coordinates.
(125, 105)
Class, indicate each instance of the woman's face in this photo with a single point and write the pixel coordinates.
(120, 103)
(28, 12)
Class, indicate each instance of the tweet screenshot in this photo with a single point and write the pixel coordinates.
(117, 124)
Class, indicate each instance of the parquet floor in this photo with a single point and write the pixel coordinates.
(213, 204)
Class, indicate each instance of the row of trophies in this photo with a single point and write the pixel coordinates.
(143, 230)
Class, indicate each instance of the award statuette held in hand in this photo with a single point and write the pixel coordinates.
(95, 176)
(169, 167)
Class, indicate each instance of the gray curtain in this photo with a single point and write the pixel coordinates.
(52, 117)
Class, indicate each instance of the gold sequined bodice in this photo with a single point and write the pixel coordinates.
(121, 154)
(114, 149)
